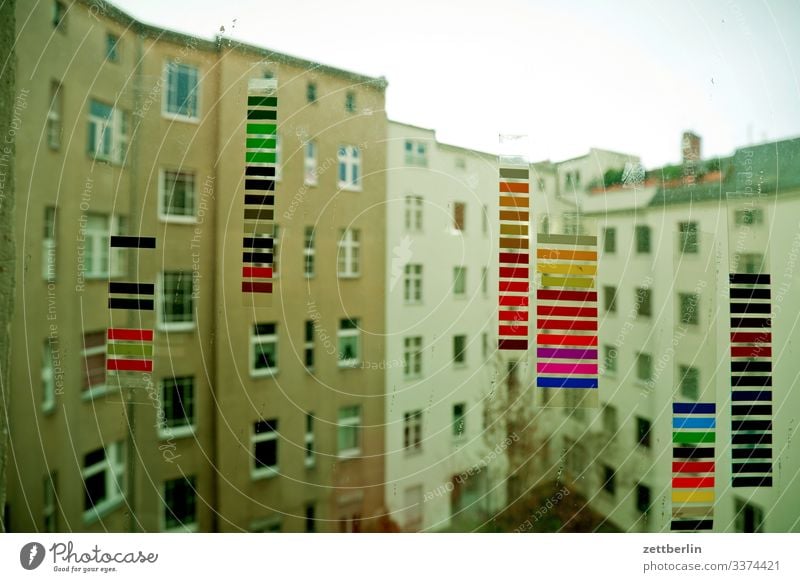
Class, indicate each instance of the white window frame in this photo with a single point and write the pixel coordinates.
(641, 356)
(692, 226)
(113, 465)
(349, 157)
(412, 357)
(49, 244)
(310, 459)
(413, 213)
(182, 430)
(271, 470)
(309, 252)
(412, 283)
(261, 339)
(343, 334)
(190, 527)
(462, 270)
(310, 154)
(110, 134)
(412, 431)
(54, 113)
(178, 326)
(349, 254)
(166, 106)
(352, 422)
(190, 218)
(463, 420)
(48, 378)
(97, 245)
(416, 153)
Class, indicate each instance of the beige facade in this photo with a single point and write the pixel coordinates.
(109, 144)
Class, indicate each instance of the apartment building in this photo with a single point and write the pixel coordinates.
(252, 419)
(440, 332)
(668, 242)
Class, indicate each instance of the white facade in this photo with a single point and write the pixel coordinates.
(441, 209)
(605, 441)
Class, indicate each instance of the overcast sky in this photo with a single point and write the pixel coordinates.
(627, 75)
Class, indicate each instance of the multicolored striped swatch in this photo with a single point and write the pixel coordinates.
(130, 350)
(751, 380)
(693, 436)
(514, 255)
(261, 151)
(566, 311)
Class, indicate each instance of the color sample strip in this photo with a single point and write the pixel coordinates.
(693, 430)
(261, 157)
(751, 380)
(130, 350)
(566, 311)
(514, 256)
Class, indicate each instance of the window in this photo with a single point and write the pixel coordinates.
(485, 281)
(749, 216)
(177, 396)
(690, 382)
(96, 250)
(49, 244)
(48, 378)
(416, 153)
(610, 240)
(311, 92)
(349, 167)
(689, 308)
(348, 437)
(642, 239)
(350, 102)
(102, 473)
(177, 195)
(485, 345)
(459, 216)
(50, 507)
(414, 213)
(349, 262)
(180, 98)
(571, 222)
(310, 163)
(644, 366)
(54, 115)
(311, 457)
(412, 357)
(459, 281)
(609, 485)
(642, 498)
(94, 361)
(459, 419)
(308, 346)
(180, 504)
(689, 242)
(309, 252)
(412, 283)
(460, 349)
(108, 132)
(749, 518)
(265, 448)
(176, 306)
(311, 520)
(485, 220)
(610, 420)
(59, 16)
(349, 336)
(611, 354)
(112, 48)
(644, 303)
(412, 431)
(461, 163)
(545, 224)
(264, 349)
(752, 263)
(643, 431)
(610, 299)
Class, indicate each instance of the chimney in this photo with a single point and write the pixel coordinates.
(690, 146)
